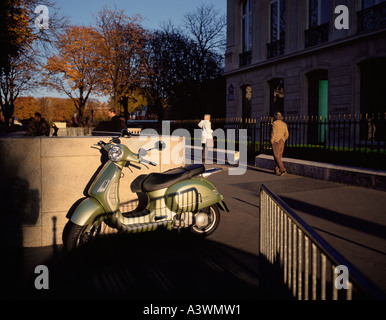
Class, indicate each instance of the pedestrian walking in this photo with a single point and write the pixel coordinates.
(206, 135)
(56, 129)
(38, 126)
(117, 123)
(279, 136)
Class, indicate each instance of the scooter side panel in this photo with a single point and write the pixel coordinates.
(105, 187)
(192, 195)
(86, 212)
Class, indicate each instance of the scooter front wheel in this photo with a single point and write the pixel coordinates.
(75, 236)
(206, 221)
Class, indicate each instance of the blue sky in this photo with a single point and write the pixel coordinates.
(154, 12)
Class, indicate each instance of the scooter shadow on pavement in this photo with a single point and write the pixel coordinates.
(159, 265)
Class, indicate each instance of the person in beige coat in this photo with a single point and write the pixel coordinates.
(278, 138)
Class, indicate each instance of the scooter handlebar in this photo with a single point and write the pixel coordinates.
(148, 162)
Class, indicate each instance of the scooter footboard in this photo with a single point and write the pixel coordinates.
(86, 212)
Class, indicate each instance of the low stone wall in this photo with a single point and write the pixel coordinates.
(72, 131)
(375, 179)
(41, 177)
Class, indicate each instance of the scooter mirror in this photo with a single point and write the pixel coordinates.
(125, 133)
(142, 152)
(160, 145)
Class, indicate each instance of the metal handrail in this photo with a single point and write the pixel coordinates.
(302, 255)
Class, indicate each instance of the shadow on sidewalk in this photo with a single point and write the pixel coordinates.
(359, 224)
(161, 265)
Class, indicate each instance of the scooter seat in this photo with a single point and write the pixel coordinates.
(156, 181)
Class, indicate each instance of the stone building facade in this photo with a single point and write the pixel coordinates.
(305, 57)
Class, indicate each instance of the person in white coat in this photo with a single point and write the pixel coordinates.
(206, 135)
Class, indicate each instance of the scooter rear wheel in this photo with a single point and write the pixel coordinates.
(207, 221)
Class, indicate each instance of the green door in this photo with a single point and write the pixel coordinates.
(323, 109)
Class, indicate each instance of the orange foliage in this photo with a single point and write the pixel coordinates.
(75, 70)
(122, 53)
(57, 109)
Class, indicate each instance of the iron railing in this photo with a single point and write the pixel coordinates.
(363, 133)
(245, 58)
(275, 48)
(316, 35)
(357, 133)
(372, 18)
(305, 263)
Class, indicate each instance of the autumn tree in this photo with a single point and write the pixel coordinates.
(206, 27)
(25, 107)
(57, 109)
(179, 81)
(19, 39)
(17, 77)
(122, 55)
(15, 38)
(75, 69)
(170, 82)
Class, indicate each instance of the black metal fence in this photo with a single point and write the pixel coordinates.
(372, 18)
(358, 133)
(361, 135)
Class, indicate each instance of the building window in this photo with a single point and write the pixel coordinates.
(371, 3)
(318, 13)
(372, 16)
(247, 102)
(277, 28)
(247, 25)
(276, 89)
(247, 30)
(318, 22)
(231, 93)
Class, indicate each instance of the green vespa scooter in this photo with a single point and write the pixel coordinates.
(178, 198)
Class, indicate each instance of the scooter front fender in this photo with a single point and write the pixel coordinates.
(222, 205)
(86, 212)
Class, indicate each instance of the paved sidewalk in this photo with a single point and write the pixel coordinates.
(225, 266)
(352, 219)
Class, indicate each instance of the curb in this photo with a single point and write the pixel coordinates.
(367, 178)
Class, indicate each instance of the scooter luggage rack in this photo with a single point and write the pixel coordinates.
(210, 171)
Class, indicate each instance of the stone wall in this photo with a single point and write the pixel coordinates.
(367, 178)
(41, 177)
(341, 57)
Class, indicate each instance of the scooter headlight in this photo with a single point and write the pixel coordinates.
(116, 153)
